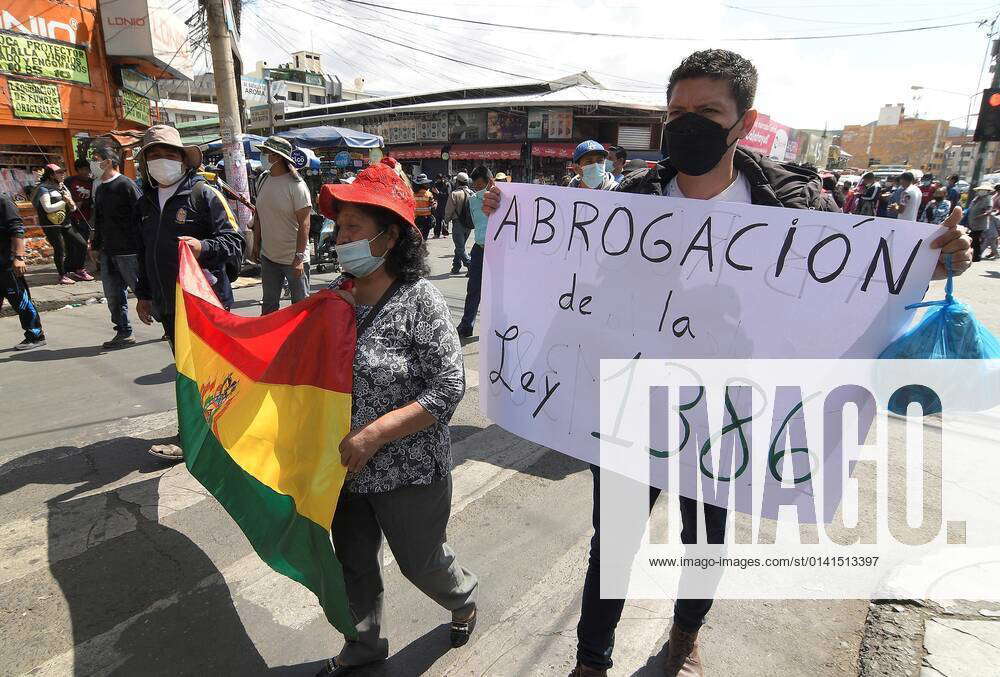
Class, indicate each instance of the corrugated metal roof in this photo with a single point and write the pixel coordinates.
(576, 95)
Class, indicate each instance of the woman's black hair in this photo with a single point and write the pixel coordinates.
(407, 260)
(47, 174)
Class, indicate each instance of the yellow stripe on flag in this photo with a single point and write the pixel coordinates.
(285, 436)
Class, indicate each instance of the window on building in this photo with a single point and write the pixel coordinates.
(295, 96)
(634, 137)
(182, 117)
(316, 99)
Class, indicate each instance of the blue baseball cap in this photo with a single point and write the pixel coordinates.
(589, 146)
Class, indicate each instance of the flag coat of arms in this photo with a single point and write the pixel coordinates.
(263, 404)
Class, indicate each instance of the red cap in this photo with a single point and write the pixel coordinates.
(376, 186)
(54, 167)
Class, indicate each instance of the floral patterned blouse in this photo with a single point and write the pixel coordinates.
(411, 352)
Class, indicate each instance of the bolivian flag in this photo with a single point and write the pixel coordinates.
(263, 404)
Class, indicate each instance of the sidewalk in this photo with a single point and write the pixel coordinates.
(48, 294)
(958, 639)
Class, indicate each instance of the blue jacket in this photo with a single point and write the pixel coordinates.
(196, 211)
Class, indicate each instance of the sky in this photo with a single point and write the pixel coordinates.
(803, 84)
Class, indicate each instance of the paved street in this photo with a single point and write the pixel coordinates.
(113, 563)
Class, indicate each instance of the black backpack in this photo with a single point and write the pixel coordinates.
(199, 199)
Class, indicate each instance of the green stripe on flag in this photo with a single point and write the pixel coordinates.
(289, 543)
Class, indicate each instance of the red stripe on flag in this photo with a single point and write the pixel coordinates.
(307, 343)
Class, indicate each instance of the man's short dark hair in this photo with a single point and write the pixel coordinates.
(619, 152)
(868, 175)
(481, 172)
(81, 164)
(105, 151)
(953, 177)
(907, 176)
(720, 64)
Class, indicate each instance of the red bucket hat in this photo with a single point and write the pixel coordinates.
(377, 186)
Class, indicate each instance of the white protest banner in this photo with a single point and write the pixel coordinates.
(574, 276)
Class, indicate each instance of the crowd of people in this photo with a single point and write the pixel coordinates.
(408, 368)
(927, 201)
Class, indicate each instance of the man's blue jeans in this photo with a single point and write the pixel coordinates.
(273, 275)
(459, 235)
(119, 273)
(474, 289)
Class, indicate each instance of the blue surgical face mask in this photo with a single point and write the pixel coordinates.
(609, 166)
(593, 175)
(356, 257)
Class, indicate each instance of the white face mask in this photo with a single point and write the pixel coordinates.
(167, 172)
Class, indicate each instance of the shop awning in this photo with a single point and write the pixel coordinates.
(199, 139)
(559, 150)
(331, 137)
(487, 151)
(415, 152)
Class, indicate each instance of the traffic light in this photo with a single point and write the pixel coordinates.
(988, 125)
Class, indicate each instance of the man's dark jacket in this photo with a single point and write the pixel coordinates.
(772, 184)
(201, 213)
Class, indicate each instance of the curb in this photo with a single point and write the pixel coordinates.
(46, 305)
(893, 641)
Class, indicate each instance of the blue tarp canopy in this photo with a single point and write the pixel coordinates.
(331, 137)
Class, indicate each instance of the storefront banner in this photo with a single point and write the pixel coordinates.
(768, 137)
(144, 86)
(467, 125)
(550, 124)
(557, 150)
(501, 126)
(561, 124)
(34, 100)
(620, 276)
(42, 58)
(433, 127)
(509, 151)
(416, 153)
(135, 107)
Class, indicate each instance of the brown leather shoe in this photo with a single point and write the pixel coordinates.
(582, 670)
(682, 654)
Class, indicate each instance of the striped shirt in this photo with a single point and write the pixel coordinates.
(424, 201)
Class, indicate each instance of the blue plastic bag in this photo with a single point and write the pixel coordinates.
(947, 331)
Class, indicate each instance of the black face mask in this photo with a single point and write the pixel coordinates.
(694, 144)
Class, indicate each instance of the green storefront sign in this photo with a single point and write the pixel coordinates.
(135, 107)
(41, 58)
(34, 100)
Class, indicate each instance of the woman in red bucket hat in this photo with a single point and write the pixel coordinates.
(408, 379)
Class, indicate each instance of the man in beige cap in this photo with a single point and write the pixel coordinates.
(178, 205)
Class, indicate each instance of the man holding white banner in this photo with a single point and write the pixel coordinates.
(710, 97)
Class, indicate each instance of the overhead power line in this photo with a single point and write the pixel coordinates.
(405, 46)
(559, 31)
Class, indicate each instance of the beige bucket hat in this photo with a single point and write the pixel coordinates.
(165, 135)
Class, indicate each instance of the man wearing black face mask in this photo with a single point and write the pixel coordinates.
(709, 109)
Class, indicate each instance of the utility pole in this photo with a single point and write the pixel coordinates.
(230, 120)
(270, 107)
(977, 171)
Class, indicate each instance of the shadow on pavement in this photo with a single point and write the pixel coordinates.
(415, 658)
(166, 375)
(142, 598)
(47, 355)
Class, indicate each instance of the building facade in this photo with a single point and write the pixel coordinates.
(910, 141)
(74, 70)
